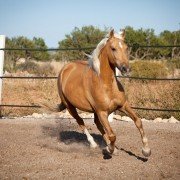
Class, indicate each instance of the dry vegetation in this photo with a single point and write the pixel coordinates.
(27, 92)
(149, 94)
(154, 94)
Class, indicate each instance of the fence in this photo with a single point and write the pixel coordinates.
(82, 49)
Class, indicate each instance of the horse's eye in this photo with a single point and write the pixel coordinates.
(113, 49)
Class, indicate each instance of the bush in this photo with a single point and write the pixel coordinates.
(40, 70)
(29, 66)
(174, 63)
(46, 70)
(153, 94)
(148, 69)
(9, 65)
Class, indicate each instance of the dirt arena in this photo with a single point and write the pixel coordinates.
(56, 149)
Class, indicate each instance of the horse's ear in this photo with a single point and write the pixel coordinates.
(111, 33)
(122, 33)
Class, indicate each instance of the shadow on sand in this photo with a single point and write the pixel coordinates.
(70, 137)
(132, 154)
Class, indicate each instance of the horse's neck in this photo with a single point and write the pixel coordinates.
(107, 72)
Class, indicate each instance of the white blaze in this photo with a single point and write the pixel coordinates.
(120, 44)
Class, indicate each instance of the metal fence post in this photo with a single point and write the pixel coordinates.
(2, 45)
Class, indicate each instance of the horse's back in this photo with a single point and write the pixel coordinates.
(72, 70)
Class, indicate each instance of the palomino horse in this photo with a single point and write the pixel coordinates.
(94, 88)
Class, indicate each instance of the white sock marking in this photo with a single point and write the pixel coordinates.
(90, 138)
(110, 117)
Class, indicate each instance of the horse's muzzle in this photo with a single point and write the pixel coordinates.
(124, 69)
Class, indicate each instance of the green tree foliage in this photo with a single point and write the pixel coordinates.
(87, 36)
(11, 57)
(40, 44)
(23, 42)
(148, 37)
(171, 38)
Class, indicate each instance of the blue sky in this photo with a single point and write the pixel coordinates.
(52, 19)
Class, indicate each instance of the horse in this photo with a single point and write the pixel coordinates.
(92, 87)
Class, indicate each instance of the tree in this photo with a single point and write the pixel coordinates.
(40, 44)
(87, 36)
(171, 38)
(23, 42)
(134, 38)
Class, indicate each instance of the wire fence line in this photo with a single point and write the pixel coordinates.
(85, 48)
(146, 78)
(38, 106)
(55, 77)
(27, 77)
(81, 49)
(46, 49)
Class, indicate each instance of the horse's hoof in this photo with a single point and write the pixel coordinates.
(106, 154)
(116, 152)
(112, 151)
(146, 152)
(109, 150)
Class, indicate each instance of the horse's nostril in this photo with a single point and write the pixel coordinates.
(124, 69)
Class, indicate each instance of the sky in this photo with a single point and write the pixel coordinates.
(53, 19)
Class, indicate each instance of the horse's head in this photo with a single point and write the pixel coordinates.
(117, 51)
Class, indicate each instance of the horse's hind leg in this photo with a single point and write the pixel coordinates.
(74, 114)
(128, 110)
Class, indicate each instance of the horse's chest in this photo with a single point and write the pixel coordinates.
(110, 101)
(107, 98)
(116, 99)
(113, 104)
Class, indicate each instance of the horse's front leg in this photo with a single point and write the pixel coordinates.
(129, 111)
(103, 118)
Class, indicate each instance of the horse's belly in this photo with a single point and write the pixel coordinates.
(77, 99)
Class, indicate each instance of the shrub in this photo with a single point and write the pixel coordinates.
(173, 64)
(148, 69)
(34, 68)
(28, 66)
(8, 65)
(153, 94)
(46, 70)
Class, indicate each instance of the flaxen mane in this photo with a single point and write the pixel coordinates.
(94, 58)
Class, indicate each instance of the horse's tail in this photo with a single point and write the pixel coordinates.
(61, 107)
(53, 108)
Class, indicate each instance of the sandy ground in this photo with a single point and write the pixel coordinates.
(56, 149)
